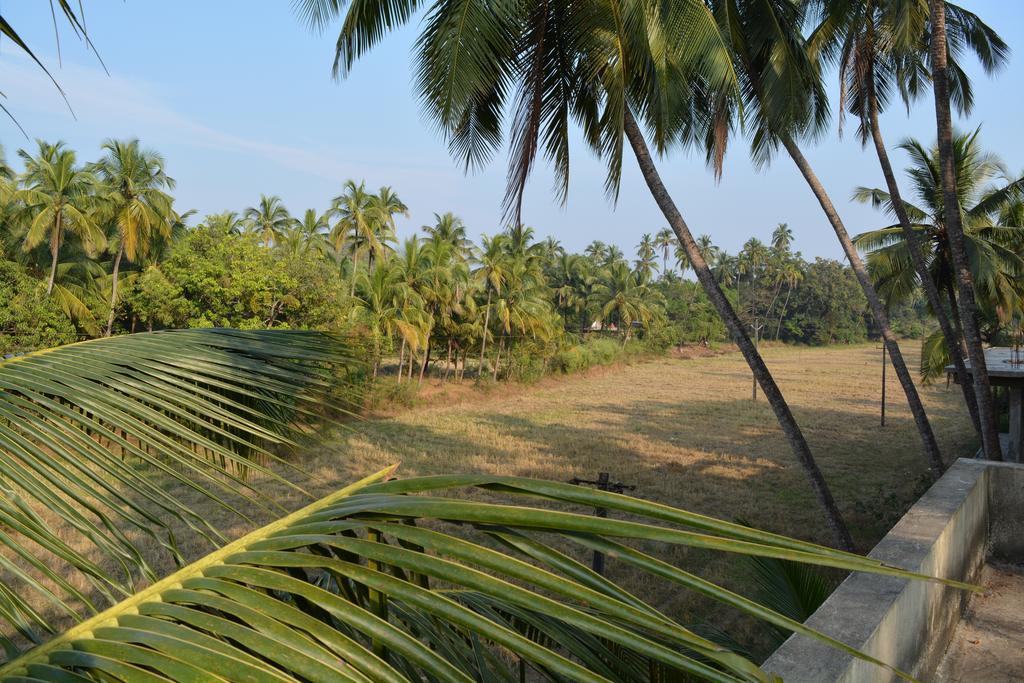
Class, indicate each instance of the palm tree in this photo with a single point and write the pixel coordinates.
(134, 202)
(995, 250)
(782, 238)
(224, 223)
(270, 219)
(467, 81)
(880, 47)
(383, 300)
(491, 272)
(449, 228)
(627, 299)
(787, 100)
(385, 205)
(597, 251)
(356, 217)
(58, 198)
(955, 230)
(788, 274)
(307, 234)
(646, 257)
(664, 241)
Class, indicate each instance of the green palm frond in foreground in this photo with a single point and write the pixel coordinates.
(399, 580)
(92, 434)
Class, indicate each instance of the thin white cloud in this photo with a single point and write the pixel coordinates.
(115, 104)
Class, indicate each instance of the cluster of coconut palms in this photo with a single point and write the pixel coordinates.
(696, 73)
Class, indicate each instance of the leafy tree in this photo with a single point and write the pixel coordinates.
(357, 223)
(57, 198)
(995, 249)
(882, 47)
(29, 318)
(133, 202)
(269, 219)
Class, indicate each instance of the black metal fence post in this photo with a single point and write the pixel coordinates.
(602, 483)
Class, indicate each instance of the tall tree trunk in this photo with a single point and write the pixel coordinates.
(113, 289)
(448, 362)
(785, 305)
(771, 390)
(916, 248)
(497, 358)
(54, 251)
(924, 428)
(355, 269)
(483, 336)
(955, 233)
(426, 360)
(401, 360)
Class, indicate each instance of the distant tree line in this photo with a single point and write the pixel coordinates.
(98, 248)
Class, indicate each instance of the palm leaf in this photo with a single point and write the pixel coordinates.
(91, 432)
(373, 583)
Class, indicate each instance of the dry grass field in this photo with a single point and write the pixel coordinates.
(686, 433)
(682, 431)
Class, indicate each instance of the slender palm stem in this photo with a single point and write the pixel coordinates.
(916, 249)
(113, 289)
(771, 390)
(924, 428)
(54, 252)
(955, 233)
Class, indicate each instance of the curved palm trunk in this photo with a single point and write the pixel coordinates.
(355, 269)
(497, 358)
(483, 336)
(924, 428)
(401, 361)
(426, 360)
(113, 289)
(771, 390)
(917, 254)
(54, 252)
(785, 305)
(955, 232)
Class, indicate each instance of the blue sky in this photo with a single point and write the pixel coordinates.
(239, 98)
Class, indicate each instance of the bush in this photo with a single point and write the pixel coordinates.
(593, 352)
(29, 319)
(386, 392)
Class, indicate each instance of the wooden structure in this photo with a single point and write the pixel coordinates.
(1006, 369)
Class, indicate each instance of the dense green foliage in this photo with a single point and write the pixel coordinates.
(513, 305)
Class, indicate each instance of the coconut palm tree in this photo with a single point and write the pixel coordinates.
(224, 223)
(307, 234)
(467, 80)
(57, 198)
(882, 47)
(627, 299)
(357, 223)
(782, 238)
(663, 242)
(449, 228)
(786, 101)
(269, 219)
(492, 273)
(995, 249)
(133, 201)
(967, 306)
(385, 205)
(597, 250)
(382, 302)
(646, 257)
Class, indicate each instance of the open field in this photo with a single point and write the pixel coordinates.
(684, 432)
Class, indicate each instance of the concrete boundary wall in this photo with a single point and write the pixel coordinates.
(909, 623)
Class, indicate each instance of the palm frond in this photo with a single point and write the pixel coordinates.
(391, 580)
(89, 432)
